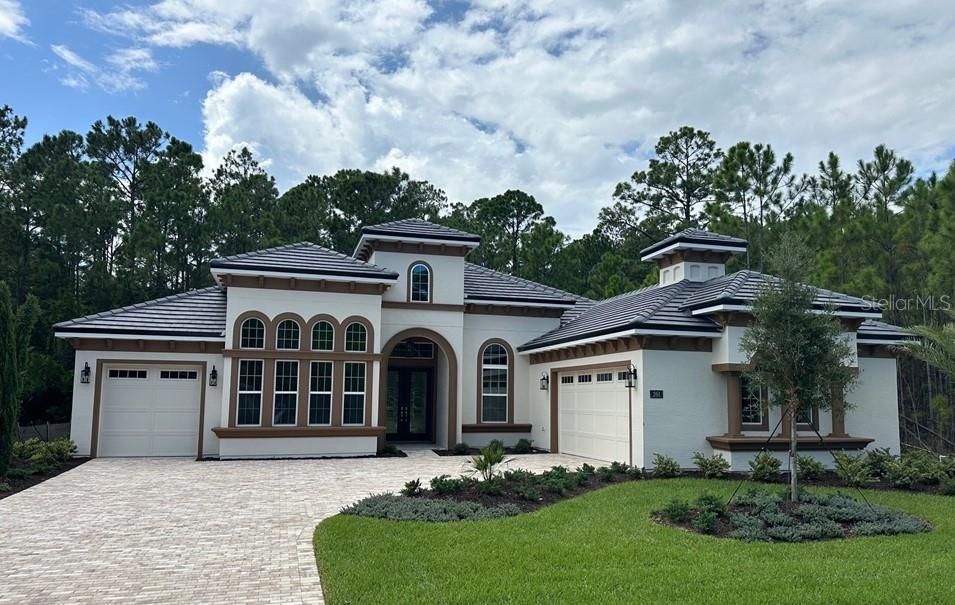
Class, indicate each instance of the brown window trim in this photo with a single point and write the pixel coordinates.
(430, 300)
(98, 394)
(310, 325)
(370, 332)
(750, 426)
(301, 326)
(237, 330)
(510, 381)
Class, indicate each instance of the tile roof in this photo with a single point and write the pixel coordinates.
(483, 284)
(305, 258)
(194, 313)
(696, 236)
(741, 287)
(651, 308)
(872, 329)
(416, 227)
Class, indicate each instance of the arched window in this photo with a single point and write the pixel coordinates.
(494, 383)
(420, 283)
(323, 336)
(287, 335)
(356, 338)
(252, 334)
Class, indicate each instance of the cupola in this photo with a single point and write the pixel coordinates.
(692, 254)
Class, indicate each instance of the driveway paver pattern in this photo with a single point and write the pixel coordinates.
(150, 530)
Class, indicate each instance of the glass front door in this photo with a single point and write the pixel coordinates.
(410, 413)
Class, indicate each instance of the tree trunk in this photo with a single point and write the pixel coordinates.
(793, 441)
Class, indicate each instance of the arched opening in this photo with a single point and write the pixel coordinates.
(418, 388)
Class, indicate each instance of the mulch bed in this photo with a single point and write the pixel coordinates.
(18, 485)
(831, 479)
(476, 451)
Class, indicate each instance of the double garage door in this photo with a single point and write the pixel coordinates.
(149, 410)
(594, 414)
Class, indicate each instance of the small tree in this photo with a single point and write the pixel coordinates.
(15, 330)
(795, 351)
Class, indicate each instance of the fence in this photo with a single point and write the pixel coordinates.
(44, 432)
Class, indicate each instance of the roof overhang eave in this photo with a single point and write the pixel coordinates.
(389, 278)
(642, 331)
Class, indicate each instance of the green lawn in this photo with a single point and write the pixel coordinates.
(603, 548)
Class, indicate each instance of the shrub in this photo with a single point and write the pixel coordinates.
(496, 443)
(461, 449)
(635, 472)
(530, 492)
(490, 488)
(946, 465)
(764, 467)
(676, 511)
(605, 474)
(925, 466)
(852, 469)
(947, 487)
(16, 474)
(879, 459)
(665, 467)
(491, 458)
(705, 522)
(400, 508)
(518, 475)
(4, 487)
(586, 470)
(619, 468)
(557, 480)
(711, 466)
(810, 469)
(523, 446)
(445, 484)
(711, 503)
(581, 479)
(25, 450)
(390, 449)
(412, 488)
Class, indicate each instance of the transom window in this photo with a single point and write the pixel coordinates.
(286, 393)
(249, 405)
(605, 377)
(754, 401)
(287, 335)
(494, 383)
(323, 336)
(420, 283)
(353, 405)
(567, 379)
(585, 378)
(124, 373)
(252, 334)
(320, 393)
(356, 338)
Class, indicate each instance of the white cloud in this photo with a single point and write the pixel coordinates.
(118, 76)
(560, 99)
(12, 20)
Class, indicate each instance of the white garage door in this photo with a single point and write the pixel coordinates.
(149, 411)
(593, 414)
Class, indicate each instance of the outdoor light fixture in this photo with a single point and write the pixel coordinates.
(631, 377)
(544, 381)
(213, 377)
(85, 374)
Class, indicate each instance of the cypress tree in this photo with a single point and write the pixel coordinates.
(15, 331)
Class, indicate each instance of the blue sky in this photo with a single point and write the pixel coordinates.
(559, 98)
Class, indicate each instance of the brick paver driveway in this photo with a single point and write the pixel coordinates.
(174, 530)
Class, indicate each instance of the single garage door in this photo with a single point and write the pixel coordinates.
(149, 411)
(593, 414)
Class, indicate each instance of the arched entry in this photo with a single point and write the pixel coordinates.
(452, 377)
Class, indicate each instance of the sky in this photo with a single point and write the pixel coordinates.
(559, 99)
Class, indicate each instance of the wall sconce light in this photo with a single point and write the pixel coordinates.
(213, 377)
(631, 377)
(545, 380)
(85, 374)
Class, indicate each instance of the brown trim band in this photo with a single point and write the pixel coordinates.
(496, 428)
(421, 306)
(479, 400)
(98, 394)
(316, 355)
(303, 283)
(477, 309)
(297, 431)
(622, 345)
(755, 444)
(212, 347)
(374, 245)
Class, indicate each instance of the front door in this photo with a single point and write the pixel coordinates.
(410, 404)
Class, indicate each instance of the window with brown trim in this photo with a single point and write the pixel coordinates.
(323, 336)
(419, 282)
(252, 334)
(320, 393)
(494, 377)
(753, 402)
(285, 399)
(249, 403)
(356, 338)
(287, 335)
(353, 402)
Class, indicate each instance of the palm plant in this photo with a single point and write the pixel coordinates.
(486, 465)
(935, 345)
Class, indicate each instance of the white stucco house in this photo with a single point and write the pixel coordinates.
(302, 351)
